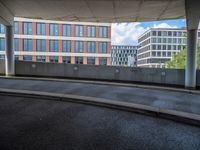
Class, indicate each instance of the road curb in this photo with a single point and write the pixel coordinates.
(184, 117)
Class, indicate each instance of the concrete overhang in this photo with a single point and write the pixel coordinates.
(95, 10)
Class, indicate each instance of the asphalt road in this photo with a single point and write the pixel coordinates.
(34, 124)
(157, 98)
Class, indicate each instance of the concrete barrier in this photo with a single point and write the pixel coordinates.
(112, 73)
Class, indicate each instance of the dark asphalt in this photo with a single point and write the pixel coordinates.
(33, 124)
(158, 98)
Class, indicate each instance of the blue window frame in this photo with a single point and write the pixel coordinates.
(54, 59)
(27, 45)
(2, 44)
(53, 29)
(91, 31)
(91, 47)
(66, 30)
(41, 29)
(16, 27)
(79, 30)
(91, 61)
(102, 47)
(103, 61)
(16, 44)
(103, 32)
(27, 58)
(2, 28)
(41, 58)
(78, 46)
(66, 46)
(27, 28)
(41, 45)
(53, 45)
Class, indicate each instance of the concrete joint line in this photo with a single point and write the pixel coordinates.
(184, 117)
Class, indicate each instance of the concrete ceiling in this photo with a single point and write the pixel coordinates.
(96, 10)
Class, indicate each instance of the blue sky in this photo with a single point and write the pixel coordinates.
(127, 33)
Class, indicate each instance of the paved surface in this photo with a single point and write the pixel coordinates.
(31, 124)
(159, 98)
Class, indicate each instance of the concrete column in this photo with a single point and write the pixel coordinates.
(190, 70)
(9, 57)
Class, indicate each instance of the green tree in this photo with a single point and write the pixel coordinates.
(178, 61)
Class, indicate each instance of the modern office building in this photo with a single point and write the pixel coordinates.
(58, 41)
(120, 55)
(156, 46)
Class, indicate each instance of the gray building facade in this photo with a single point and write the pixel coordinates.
(158, 45)
(121, 53)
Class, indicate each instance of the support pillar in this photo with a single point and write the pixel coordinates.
(9, 57)
(190, 70)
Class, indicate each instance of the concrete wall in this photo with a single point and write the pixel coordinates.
(145, 75)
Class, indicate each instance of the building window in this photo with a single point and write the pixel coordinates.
(27, 45)
(16, 27)
(79, 30)
(154, 54)
(16, 57)
(2, 44)
(78, 46)
(41, 58)
(41, 45)
(66, 59)
(158, 54)
(91, 61)
(102, 47)
(154, 33)
(103, 32)
(91, 31)
(2, 57)
(54, 59)
(2, 28)
(16, 44)
(66, 30)
(91, 47)
(27, 58)
(79, 60)
(41, 29)
(53, 45)
(66, 46)
(27, 28)
(53, 29)
(102, 61)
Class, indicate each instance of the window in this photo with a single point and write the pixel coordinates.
(153, 53)
(27, 45)
(154, 33)
(79, 60)
(199, 34)
(159, 33)
(2, 57)
(2, 44)
(91, 47)
(103, 32)
(16, 44)
(66, 59)
(66, 30)
(79, 30)
(91, 60)
(27, 28)
(154, 47)
(27, 58)
(16, 58)
(41, 45)
(41, 29)
(169, 54)
(41, 58)
(78, 46)
(164, 47)
(164, 54)
(102, 47)
(102, 61)
(2, 29)
(53, 45)
(54, 29)
(54, 59)
(16, 27)
(91, 31)
(66, 46)
(169, 33)
(159, 54)
(169, 47)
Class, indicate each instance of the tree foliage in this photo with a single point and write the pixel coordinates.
(178, 61)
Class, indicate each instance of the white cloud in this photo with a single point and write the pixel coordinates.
(126, 33)
(163, 25)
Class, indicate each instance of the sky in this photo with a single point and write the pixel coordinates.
(127, 33)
